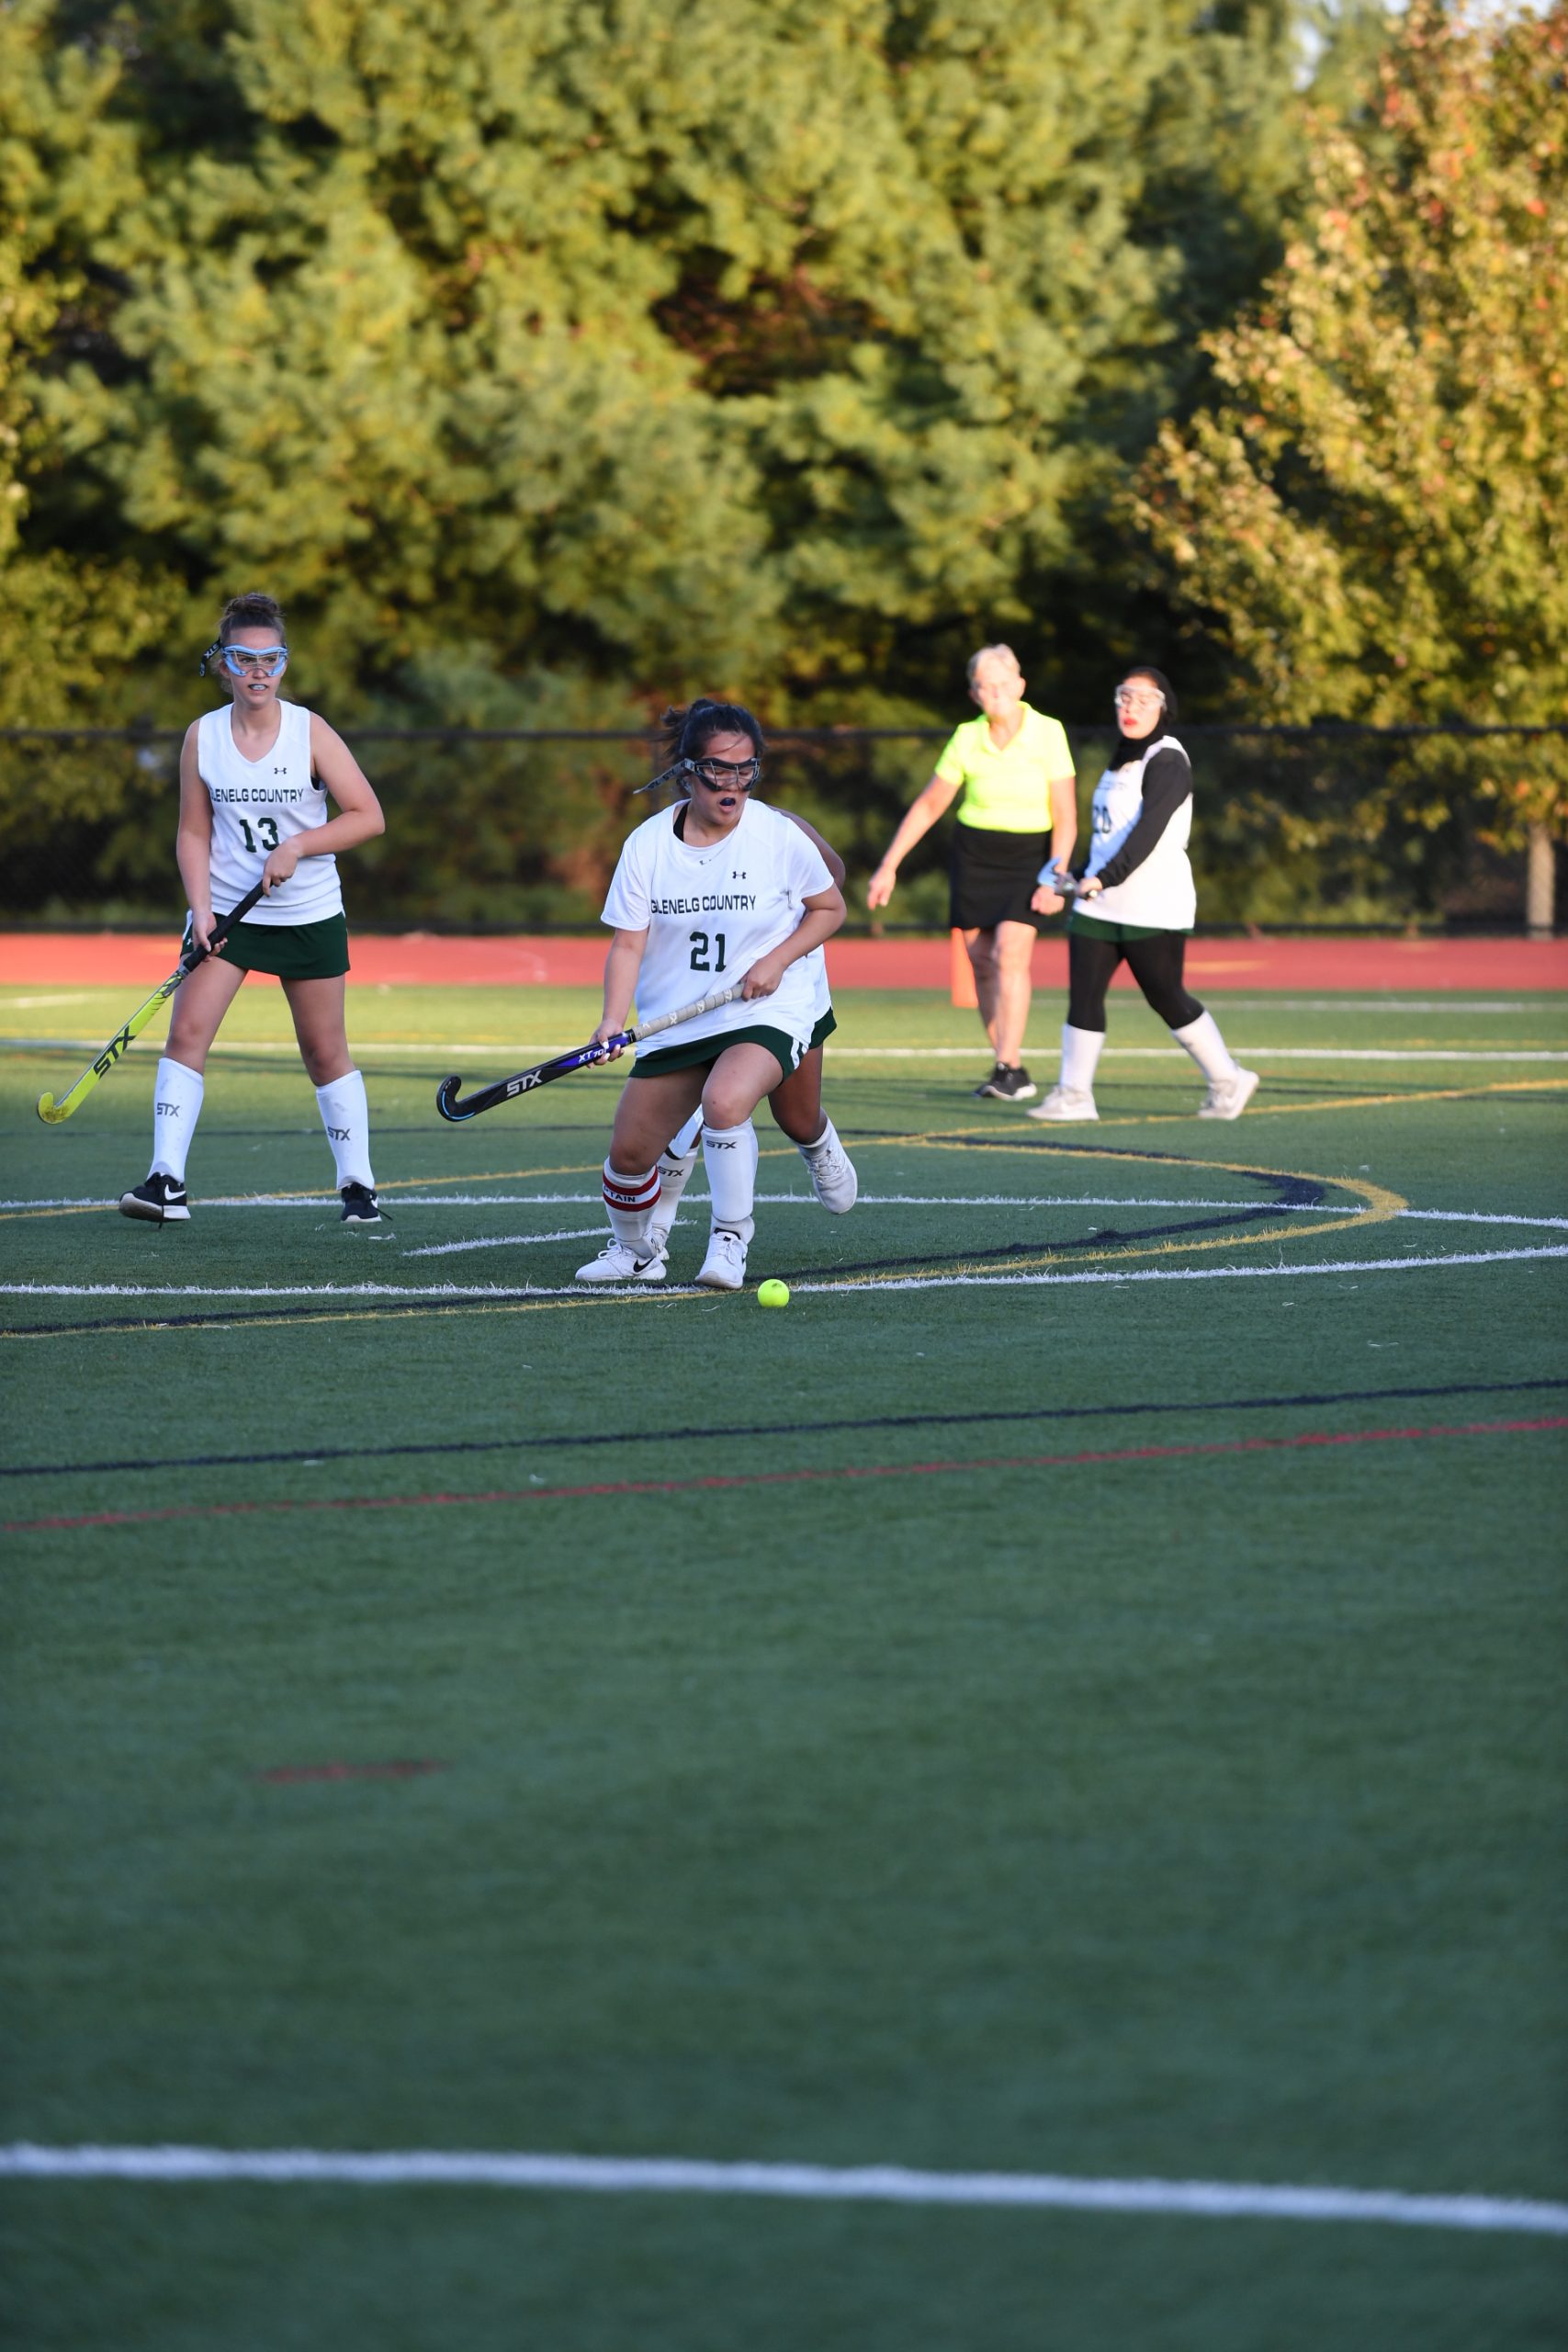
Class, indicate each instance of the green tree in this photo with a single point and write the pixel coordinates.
(70, 612)
(666, 342)
(1374, 514)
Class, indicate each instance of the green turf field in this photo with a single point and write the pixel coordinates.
(1078, 1693)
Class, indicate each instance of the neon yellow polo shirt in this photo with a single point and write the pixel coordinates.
(1006, 792)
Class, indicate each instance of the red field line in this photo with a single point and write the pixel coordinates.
(603, 1489)
(115, 959)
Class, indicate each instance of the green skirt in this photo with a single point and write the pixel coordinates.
(290, 951)
(702, 1052)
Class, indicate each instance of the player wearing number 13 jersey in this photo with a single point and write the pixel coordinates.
(717, 892)
(254, 783)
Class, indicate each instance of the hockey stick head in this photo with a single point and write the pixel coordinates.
(51, 1112)
(446, 1102)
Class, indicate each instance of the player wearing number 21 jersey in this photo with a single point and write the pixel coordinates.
(710, 913)
(718, 896)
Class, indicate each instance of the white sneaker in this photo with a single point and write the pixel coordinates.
(832, 1174)
(1063, 1103)
(724, 1268)
(1228, 1097)
(621, 1263)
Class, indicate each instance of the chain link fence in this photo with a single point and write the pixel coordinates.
(506, 830)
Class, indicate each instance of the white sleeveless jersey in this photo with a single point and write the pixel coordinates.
(1161, 893)
(256, 805)
(711, 913)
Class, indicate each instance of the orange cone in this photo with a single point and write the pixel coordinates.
(961, 985)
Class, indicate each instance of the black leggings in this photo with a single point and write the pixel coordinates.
(1155, 964)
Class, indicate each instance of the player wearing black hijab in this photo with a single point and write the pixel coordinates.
(1137, 900)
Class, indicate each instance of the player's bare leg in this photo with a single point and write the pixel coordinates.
(1002, 962)
(742, 1075)
(797, 1106)
(649, 1113)
(320, 1027)
(200, 1007)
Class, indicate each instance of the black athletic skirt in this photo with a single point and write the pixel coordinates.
(993, 878)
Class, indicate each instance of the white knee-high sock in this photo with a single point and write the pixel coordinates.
(677, 1163)
(730, 1155)
(629, 1201)
(1208, 1048)
(829, 1134)
(1080, 1054)
(345, 1115)
(176, 1106)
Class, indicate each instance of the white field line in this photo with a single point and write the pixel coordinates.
(478, 1292)
(808, 1200)
(515, 1050)
(1183, 1273)
(832, 2184)
(1391, 1004)
(510, 1241)
(1245, 1053)
(1385, 1005)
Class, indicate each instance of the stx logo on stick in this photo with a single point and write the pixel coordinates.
(112, 1053)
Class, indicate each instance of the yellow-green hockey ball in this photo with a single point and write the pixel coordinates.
(773, 1293)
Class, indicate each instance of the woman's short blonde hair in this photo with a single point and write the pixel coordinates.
(1005, 653)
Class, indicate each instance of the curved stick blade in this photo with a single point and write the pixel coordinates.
(446, 1101)
(51, 1112)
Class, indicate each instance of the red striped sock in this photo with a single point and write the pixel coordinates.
(629, 1201)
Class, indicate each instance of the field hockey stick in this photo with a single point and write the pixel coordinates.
(51, 1112)
(506, 1089)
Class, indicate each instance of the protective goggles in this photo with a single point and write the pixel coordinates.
(247, 661)
(1144, 691)
(728, 775)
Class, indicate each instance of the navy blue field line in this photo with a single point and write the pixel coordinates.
(320, 1454)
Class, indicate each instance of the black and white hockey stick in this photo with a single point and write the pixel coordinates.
(53, 1112)
(506, 1089)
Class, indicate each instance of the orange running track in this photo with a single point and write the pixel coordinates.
(133, 960)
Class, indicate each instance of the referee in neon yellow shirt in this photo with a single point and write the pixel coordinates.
(1015, 772)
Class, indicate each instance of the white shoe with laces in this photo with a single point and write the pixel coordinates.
(833, 1174)
(620, 1264)
(724, 1268)
(1063, 1103)
(1228, 1097)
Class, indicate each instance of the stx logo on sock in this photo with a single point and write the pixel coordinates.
(718, 1143)
(340, 1134)
(168, 1109)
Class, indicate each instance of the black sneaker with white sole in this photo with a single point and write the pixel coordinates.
(163, 1200)
(360, 1205)
(1005, 1085)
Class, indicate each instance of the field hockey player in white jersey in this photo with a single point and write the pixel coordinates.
(1136, 900)
(795, 1102)
(255, 777)
(717, 890)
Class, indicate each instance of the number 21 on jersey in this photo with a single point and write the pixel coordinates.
(700, 945)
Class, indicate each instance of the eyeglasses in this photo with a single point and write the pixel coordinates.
(728, 775)
(1126, 696)
(258, 660)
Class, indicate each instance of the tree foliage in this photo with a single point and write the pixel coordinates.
(659, 343)
(1374, 512)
